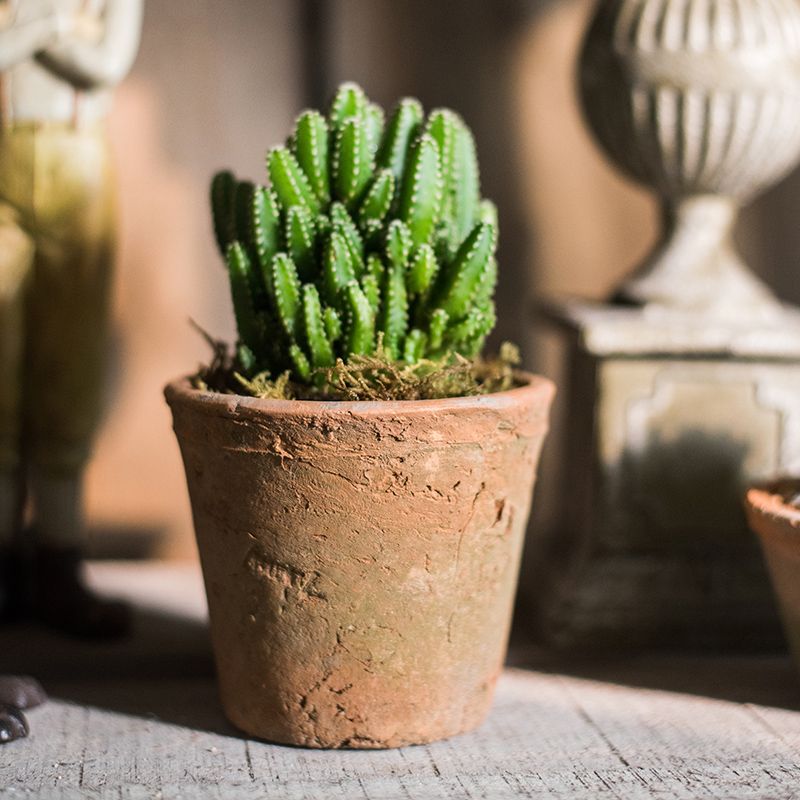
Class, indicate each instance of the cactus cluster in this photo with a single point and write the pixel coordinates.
(371, 234)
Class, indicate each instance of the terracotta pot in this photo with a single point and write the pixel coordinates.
(778, 527)
(360, 559)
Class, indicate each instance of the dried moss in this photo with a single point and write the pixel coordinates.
(367, 377)
(262, 386)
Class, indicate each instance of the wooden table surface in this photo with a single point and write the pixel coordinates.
(140, 719)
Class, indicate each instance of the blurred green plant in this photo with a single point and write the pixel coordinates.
(372, 240)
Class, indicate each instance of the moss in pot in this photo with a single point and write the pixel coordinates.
(360, 514)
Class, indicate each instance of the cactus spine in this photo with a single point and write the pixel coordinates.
(372, 231)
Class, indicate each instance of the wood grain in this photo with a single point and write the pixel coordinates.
(129, 737)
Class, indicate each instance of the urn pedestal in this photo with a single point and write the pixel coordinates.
(667, 419)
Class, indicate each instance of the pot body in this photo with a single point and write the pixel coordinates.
(360, 559)
(778, 527)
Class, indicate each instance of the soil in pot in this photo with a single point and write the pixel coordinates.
(360, 559)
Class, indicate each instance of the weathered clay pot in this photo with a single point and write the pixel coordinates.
(360, 559)
(778, 527)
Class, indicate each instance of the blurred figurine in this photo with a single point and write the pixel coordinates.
(59, 63)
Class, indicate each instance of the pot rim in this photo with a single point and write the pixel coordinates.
(181, 391)
(765, 498)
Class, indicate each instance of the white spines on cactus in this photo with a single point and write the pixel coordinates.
(371, 233)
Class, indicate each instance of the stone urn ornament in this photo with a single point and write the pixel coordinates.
(684, 384)
(699, 100)
(360, 483)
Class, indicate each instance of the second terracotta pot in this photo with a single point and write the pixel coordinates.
(360, 559)
(777, 523)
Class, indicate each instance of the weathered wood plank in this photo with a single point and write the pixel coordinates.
(548, 736)
(691, 746)
(145, 723)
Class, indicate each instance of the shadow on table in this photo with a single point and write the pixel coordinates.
(161, 646)
(766, 678)
(163, 671)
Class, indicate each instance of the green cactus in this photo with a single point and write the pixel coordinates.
(372, 238)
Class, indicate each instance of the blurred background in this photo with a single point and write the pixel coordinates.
(216, 84)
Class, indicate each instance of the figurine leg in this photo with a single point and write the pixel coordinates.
(64, 370)
(15, 578)
(62, 599)
(16, 259)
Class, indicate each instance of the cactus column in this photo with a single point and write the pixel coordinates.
(687, 384)
(371, 236)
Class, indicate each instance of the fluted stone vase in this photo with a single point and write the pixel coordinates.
(700, 100)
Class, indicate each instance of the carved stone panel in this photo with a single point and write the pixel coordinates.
(678, 440)
(653, 548)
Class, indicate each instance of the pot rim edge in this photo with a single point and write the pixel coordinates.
(763, 498)
(180, 390)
